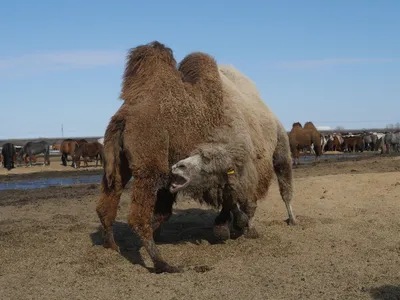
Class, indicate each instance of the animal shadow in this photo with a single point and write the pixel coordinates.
(128, 242)
(190, 225)
(386, 292)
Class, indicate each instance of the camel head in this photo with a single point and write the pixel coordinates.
(195, 173)
(187, 172)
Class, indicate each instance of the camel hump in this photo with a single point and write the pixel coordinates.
(142, 62)
(198, 66)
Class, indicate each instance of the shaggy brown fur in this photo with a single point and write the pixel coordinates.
(67, 147)
(93, 150)
(300, 137)
(165, 114)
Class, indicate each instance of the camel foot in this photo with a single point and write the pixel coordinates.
(291, 222)
(110, 244)
(251, 233)
(163, 267)
(222, 232)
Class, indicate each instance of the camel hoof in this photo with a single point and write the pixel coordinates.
(163, 267)
(222, 232)
(112, 246)
(240, 221)
(291, 222)
(251, 233)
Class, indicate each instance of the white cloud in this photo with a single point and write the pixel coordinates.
(306, 64)
(56, 61)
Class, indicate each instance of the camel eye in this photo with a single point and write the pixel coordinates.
(181, 166)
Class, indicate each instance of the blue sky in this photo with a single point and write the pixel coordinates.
(336, 63)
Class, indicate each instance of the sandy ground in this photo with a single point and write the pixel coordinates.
(346, 246)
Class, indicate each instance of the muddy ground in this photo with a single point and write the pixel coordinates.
(346, 246)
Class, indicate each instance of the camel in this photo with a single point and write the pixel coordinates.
(168, 111)
(300, 137)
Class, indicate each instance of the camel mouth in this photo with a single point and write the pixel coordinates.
(178, 183)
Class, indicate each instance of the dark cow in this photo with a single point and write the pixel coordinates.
(8, 152)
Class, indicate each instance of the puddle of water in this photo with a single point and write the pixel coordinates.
(48, 182)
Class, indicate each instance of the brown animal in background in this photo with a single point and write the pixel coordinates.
(188, 105)
(353, 143)
(67, 147)
(300, 137)
(93, 150)
(55, 146)
(32, 158)
(310, 125)
(337, 145)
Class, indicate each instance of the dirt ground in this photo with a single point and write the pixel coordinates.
(346, 246)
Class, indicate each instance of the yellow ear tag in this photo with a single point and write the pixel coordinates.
(230, 172)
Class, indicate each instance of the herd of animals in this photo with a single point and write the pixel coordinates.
(195, 129)
(75, 148)
(308, 138)
(301, 139)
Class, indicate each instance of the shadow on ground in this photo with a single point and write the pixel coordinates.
(386, 292)
(193, 225)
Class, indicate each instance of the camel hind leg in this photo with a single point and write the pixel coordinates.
(109, 199)
(283, 169)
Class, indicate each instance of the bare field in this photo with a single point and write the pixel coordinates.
(346, 246)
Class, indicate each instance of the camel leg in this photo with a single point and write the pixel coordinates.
(297, 158)
(283, 171)
(249, 208)
(140, 220)
(221, 222)
(107, 205)
(240, 219)
(162, 210)
(229, 205)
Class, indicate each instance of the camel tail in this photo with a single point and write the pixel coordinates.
(111, 154)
